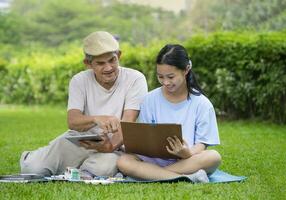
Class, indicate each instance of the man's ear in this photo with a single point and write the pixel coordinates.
(87, 63)
(119, 54)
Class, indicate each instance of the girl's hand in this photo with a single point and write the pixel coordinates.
(178, 148)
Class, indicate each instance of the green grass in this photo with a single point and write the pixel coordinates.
(250, 148)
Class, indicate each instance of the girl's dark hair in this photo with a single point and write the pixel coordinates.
(177, 56)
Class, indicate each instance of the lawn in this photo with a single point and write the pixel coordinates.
(250, 148)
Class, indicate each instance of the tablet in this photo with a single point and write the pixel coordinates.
(76, 138)
(149, 139)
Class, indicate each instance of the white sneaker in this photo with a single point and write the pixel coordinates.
(199, 177)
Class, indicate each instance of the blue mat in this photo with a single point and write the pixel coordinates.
(222, 177)
(217, 177)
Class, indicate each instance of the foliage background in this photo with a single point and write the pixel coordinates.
(52, 22)
(237, 48)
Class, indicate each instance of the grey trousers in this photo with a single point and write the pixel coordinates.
(54, 158)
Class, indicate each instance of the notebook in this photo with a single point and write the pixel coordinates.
(149, 139)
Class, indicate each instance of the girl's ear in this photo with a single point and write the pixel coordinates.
(188, 68)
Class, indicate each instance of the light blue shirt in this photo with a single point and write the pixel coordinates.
(196, 115)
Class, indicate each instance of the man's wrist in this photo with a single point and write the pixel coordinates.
(94, 120)
(190, 153)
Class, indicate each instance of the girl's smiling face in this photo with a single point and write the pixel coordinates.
(171, 78)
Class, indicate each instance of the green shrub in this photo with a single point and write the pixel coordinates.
(39, 77)
(243, 74)
(142, 59)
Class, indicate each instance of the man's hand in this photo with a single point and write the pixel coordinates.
(80, 122)
(109, 124)
(103, 146)
(178, 148)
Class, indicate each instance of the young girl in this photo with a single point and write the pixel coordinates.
(179, 100)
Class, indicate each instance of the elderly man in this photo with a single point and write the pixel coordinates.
(99, 98)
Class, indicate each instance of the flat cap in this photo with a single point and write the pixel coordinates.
(100, 42)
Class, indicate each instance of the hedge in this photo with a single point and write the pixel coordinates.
(242, 73)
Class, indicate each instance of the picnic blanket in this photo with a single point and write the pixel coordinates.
(217, 177)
